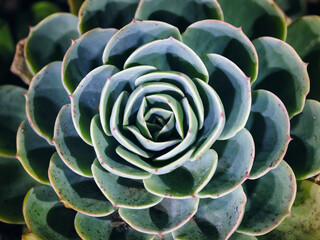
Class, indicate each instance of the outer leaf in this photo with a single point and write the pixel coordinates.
(75, 153)
(293, 8)
(12, 113)
(234, 164)
(52, 34)
(123, 192)
(134, 35)
(269, 125)
(14, 184)
(303, 153)
(45, 217)
(106, 13)
(86, 98)
(45, 98)
(266, 18)
(308, 47)
(83, 56)
(270, 199)
(106, 228)
(169, 55)
(185, 181)
(163, 218)
(33, 152)
(180, 13)
(216, 218)
(240, 236)
(233, 87)
(79, 193)
(75, 6)
(210, 36)
(279, 64)
(303, 223)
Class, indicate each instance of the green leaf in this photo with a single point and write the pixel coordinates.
(33, 152)
(75, 6)
(293, 8)
(74, 152)
(234, 164)
(256, 17)
(45, 98)
(42, 9)
(233, 87)
(111, 227)
(12, 113)
(210, 36)
(180, 13)
(270, 199)
(79, 193)
(84, 55)
(269, 126)
(14, 184)
(86, 98)
(134, 35)
(124, 80)
(106, 14)
(53, 34)
(6, 48)
(123, 192)
(163, 218)
(105, 148)
(185, 181)
(308, 47)
(216, 218)
(303, 224)
(240, 236)
(303, 154)
(169, 55)
(279, 64)
(46, 217)
(214, 119)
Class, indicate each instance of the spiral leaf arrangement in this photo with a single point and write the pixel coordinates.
(173, 127)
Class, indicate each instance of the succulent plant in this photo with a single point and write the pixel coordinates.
(175, 126)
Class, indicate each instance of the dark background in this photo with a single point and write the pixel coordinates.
(16, 13)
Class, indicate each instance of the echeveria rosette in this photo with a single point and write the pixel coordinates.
(162, 128)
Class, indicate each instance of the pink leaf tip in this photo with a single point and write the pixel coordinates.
(240, 28)
(133, 20)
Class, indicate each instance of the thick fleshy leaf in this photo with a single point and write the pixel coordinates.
(158, 167)
(26, 235)
(14, 184)
(111, 227)
(303, 154)
(12, 113)
(279, 64)
(46, 217)
(124, 80)
(180, 13)
(210, 36)
(293, 8)
(53, 34)
(304, 37)
(266, 18)
(233, 87)
(270, 128)
(185, 181)
(134, 35)
(75, 6)
(75, 153)
(240, 236)
(234, 164)
(214, 119)
(106, 13)
(123, 192)
(270, 199)
(216, 218)
(79, 193)
(45, 98)
(169, 55)
(83, 56)
(163, 218)
(86, 98)
(33, 152)
(303, 224)
(105, 146)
